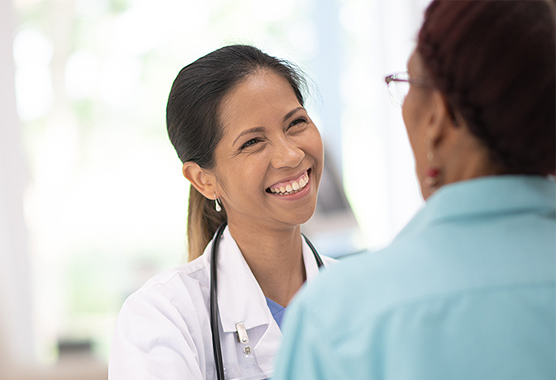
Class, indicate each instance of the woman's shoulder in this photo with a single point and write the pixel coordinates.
(164, 318)
(179, 285)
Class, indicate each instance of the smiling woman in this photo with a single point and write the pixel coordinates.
(254, 159)
(284, 147)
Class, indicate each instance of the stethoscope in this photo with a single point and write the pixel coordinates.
(214, 302)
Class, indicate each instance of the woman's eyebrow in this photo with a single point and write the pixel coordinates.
(247, 131)
(289, 114)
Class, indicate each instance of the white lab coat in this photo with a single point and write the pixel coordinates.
(163, 330)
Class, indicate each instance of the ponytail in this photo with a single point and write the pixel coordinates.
(202, 222)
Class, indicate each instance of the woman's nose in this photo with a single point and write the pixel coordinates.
(287, 154)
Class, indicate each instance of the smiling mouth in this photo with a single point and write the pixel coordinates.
(290, 187)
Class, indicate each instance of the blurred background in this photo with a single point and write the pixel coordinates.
(92, 200)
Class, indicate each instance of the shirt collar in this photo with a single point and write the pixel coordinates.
(488, 195)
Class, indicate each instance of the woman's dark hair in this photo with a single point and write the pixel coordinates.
(495, 63)
(194, 125)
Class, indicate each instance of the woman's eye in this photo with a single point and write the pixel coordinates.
(249, 143)
(298, 121)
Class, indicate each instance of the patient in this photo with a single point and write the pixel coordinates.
(467, 289)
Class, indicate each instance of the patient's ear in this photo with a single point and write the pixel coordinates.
(203, 180)
(440, 120)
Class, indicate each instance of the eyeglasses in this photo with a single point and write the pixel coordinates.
(398, 86)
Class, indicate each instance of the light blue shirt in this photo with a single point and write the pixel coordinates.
(466, 291)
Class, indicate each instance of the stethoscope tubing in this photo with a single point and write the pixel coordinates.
(214, 306)
(216, 348)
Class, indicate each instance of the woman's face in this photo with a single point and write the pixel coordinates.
(270, 159)
(415, 112)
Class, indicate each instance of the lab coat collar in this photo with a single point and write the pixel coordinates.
(240, 298)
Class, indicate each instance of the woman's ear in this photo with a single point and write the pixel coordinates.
(203, 180)
(440, 122)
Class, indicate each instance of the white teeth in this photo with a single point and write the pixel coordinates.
(293, 187)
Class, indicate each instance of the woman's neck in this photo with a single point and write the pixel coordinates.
(274, 257)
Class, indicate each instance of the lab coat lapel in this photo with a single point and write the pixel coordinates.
(240, 298)
(265, 353)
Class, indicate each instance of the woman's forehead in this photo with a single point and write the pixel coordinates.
(256, 97)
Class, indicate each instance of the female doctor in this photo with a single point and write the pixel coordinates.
(254, 159)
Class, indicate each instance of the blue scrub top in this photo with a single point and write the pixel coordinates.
(277, 311)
